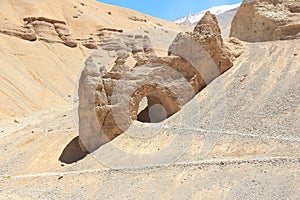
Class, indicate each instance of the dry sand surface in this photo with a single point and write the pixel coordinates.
(237, 139)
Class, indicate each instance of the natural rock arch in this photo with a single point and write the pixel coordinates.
(110, 91)
(155, 96)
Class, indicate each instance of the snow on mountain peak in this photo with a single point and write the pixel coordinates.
(193, 18)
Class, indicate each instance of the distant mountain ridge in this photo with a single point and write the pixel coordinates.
(194, 18)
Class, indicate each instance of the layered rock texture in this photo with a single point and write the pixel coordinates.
(267, 20)
(110, 92)
(54, 31)
(50, 30)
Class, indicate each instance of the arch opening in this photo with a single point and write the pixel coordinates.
(151, 110)
(155, 106)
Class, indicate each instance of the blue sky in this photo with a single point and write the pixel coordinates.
(169, 9)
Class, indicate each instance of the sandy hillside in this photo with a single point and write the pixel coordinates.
(36, 75)
(249, 116)
(237, 139)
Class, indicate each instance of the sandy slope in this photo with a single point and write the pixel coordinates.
(37, 75)
(249, 115)
(237, 139)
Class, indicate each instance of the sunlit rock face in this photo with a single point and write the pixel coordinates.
(267, 20)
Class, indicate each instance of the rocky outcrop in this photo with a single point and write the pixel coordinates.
(207, 37)
(104, 70)
(137, 19)
(50, 30)
(267, 20)
(55, 31)
(64, 34)
(101, 35)
(208, 33)
(41, 28)
(125, 69)
(23, 32)
(110, 90)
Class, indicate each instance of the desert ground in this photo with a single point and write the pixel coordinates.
(237, 139)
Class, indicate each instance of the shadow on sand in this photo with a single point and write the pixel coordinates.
(72, 152)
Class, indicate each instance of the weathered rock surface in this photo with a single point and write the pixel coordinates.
(267, 20)
(185, 68)
(207, 41)
(51, 30)
(110, 92)
(25, 33)
(208, 33)
(41, 28)
(234, 47)
(55, 31)
(103, 70)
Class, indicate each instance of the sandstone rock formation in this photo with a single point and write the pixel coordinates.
(206, 35)
(110, 92)
(111, 89)
(25, 32)
(54, 31)
(41, 28)
(102, 71)
(267, 20)
(189, 71)
(51, 30)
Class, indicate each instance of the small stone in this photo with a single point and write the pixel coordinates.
(242, 79)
